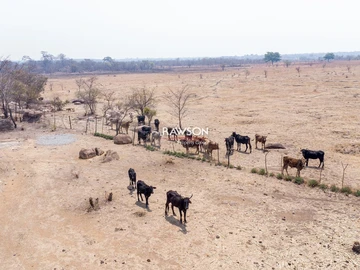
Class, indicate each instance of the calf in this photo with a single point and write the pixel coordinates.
(313, 155)
(141, 119)
(157, 123)
(155, 136)
(132, 177)
(261, 139)
(178, 201)
(143, 188)
(242, 140)
(293, 163)
(229, 143)
(210, 146)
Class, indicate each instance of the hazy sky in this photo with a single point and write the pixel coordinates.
(168, 28)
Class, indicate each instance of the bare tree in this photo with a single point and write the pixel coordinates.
(179, 100)
(79, 83)
(142, 98)
(90, 94)
(109, 98)
(298, 70)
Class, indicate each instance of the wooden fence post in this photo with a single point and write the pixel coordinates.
(70, 122)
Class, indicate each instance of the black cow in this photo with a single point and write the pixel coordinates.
(132, 177)
(177, 200)
(144, 135)
(143, 188)
(157, 123)
(172, 131)
(229, 143)
(141, 119)
(242, 140)
(313, 155)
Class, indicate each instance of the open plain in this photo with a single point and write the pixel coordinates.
(237, 219)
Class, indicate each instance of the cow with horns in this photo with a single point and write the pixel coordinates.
(178, 201)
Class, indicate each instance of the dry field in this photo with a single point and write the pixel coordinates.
(237, 220)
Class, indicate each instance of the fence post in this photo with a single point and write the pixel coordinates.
(70, 122)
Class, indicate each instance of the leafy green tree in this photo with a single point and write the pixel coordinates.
(329, 56)
(149, 113)
(142, 98)
(272, 57)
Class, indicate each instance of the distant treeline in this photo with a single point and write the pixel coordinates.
(54, 64)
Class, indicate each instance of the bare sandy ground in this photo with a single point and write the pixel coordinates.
(237, 220)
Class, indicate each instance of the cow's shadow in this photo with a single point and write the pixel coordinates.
(313, 167)
(243, 152)
(131, 189)
(176, 222)
(143, 205)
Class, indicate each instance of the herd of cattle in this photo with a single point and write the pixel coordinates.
(171, 196)
(207, 146)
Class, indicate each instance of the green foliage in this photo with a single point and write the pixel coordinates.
(238, 167)
(272, 57)
(150, 148)
(231, 166)
(313, 183)
(346, 190)
(262, 172)
(176, 154)
(357, 193)
(254, 170)
(279, 176)
(149, 113)
(334, 188)
(288, 178)
(329, 56)
(107, 137)
(272, 174)
(323, 186)
(298, 180)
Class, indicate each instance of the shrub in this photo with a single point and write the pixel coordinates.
(262, 172)
(279, 176)
(334, 188)
(299, 180)
(346, 190)
(238, 167)
(150, 148)
(231, 166)
(203, 159)
(288, 178)
(323, 186)
(313, 183)
(198, 158)
(271, 174)
(107, 137)
(357, 193)
(254, 170)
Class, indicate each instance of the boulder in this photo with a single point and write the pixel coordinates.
(98, 151)
(87, 153)
(110, 155)
(122, 139)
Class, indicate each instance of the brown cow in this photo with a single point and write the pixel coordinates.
(210, 146)
(293, 163)
(261, 139)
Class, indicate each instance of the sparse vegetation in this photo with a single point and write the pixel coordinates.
(107, 137)
(279, 176)
(346, 190)
(323, 186)
(238, 167)
(313, 183)
(334, 188)
(288, 178)
(298, 180)
(254, 170)
(357, 193)
(262, 172)
(150, 148)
